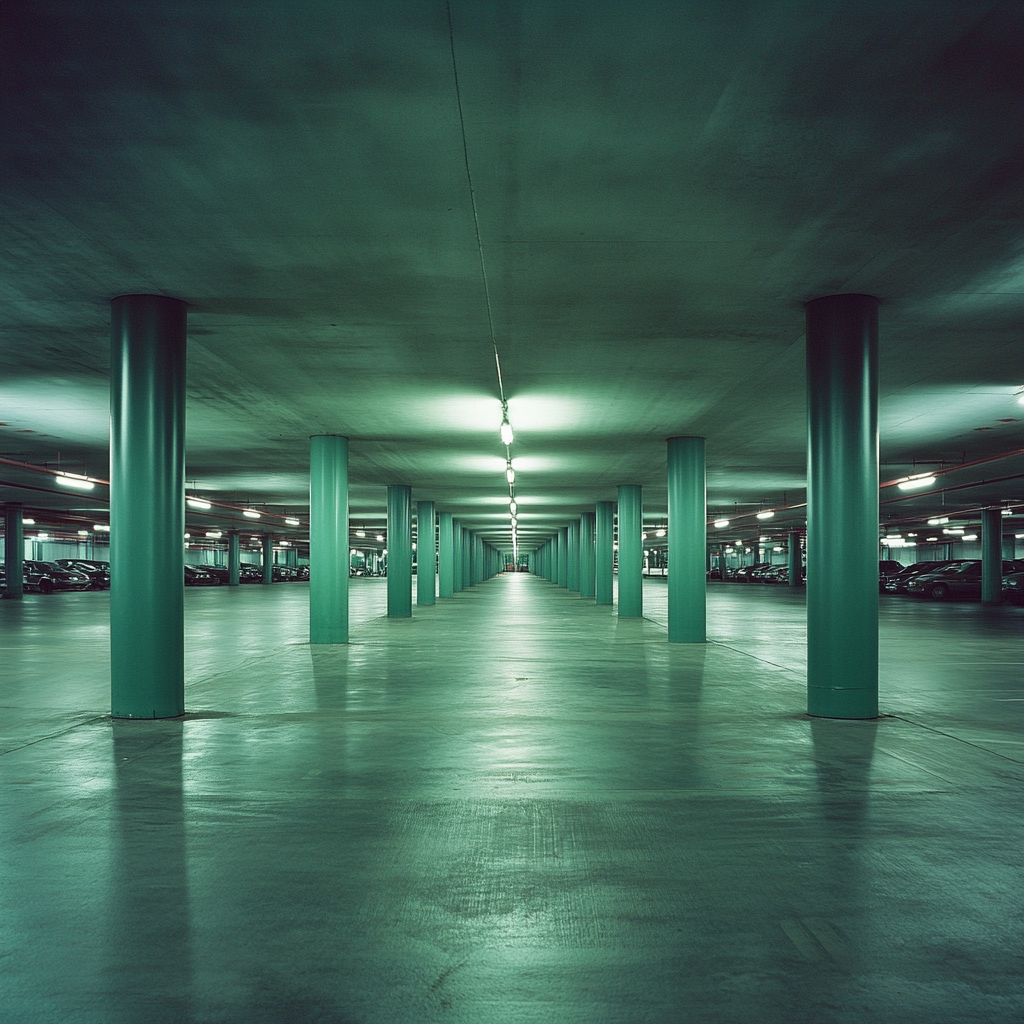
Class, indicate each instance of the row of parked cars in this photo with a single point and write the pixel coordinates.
(90, 574)
(951, 579)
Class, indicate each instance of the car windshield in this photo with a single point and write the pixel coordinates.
(966, 567)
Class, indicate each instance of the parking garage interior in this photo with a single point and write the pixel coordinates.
(534, 400)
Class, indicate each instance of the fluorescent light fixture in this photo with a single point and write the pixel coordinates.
(513, 507)
(911, 534)
(763, 540)
(643, 536)
(1018, 536)
(510, 474)
(353, 552)
(969, 536)
(506, 430)
(380, 538)
(776, 549)
(41, 535)
(201, 503)
(32, 522)
(954, 532)
(251, 513)
(765, 515)
(721, 524)
(414, 547)
(930, 540)
(288, 544)
(659, 533)
(83, 533)
(99, 527)
(941, 521)
(646, 553)
(515, 522)
(187, 536)
(293, 522)
(360, 533)
(1006, 512)
(385, 551)
(912, 483)
(215, 534)
(75, 480)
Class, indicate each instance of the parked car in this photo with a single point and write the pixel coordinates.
(961, 581)
(98, 572)
(283, 574)
(46, 577)
(302, 572)
(198, 576)
(887, 569)
(897, 584)
(1013, 587)
(745, 573)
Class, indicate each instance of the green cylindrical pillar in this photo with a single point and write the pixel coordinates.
(329, 559)
(842, 506)
(445, 556)
(563, 556)
(631, 552)
(794, 559)
(268, 558)
(147, 506)
(14, 551)
(456, 556)
(604, 552)
(426, 557)
(991, 556)
(467, 558)
(479, 572)
(572, 565)
(234, 558)
(587, 554)
(687, 541)
(399, 551)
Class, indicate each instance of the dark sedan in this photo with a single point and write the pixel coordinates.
(197, 576)
(1013, 587)
(46, 577)
(98, 572)
(959, 581)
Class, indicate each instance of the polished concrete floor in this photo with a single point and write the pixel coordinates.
(512, 808)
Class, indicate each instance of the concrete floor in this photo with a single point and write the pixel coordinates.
(513, 808)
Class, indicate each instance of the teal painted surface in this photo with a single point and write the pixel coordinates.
(842, 506)
(991, 556)
(631, 551)
(687, 541)
(604, 552)
(572, 569)
(328, 539)
(234, 559)
(456, 556)
(563, 557)
(268, 559)
(467, 565)
(399, 551)
(147, 506)
(14, 551)
(587, 554)
(445, 555)
(426, 556)
(795, 561)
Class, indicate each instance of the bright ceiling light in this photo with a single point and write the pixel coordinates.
(380, 537)
(250, 513)
(931, 540)
(763, 540)
(942, 520)
(75, 480)
(643, 536)
(1006, 512)
(506, 430)
(659, 533)
(293, 522)
(510, 474)
(765, 515)
(776, 549)
(215, 534)
(954, 532)
(969, 536)
(360, 533)
(200, 503)
(98, 527)
(288, 544)
(912, 483)
(515, 522)
(32, 522)
(513, 507)
(721, 524)
(41, 535)
(83, 533)
(187, 536)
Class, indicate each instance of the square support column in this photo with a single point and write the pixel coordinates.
(842, 506)
(14, 551)
(563, 557)
(445, 556)
(991, 556)
(399, 551)
(631, 552)
(587, 563)
(426, 557)
(687, 541)
(572, 565)
(268, 558)
(329, 559)
(604, 552)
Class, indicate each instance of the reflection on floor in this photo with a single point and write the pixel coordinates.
(511, 808)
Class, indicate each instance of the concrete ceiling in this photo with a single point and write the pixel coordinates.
(659, 187)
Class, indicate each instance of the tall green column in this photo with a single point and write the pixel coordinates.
(399, 551)
(268, 558)
(479, 573)
(14, 550)
(426, 556)
(467, 558)
(234, 558)
(329, 559)
(563, 557)
(794, 558)
(147, 506)
(445, 556)
(456, 556)
(572, 565)
(687, 541)
(587, 554)
(631, 552)
(604, 552)
(991, 556)
(842, 506)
